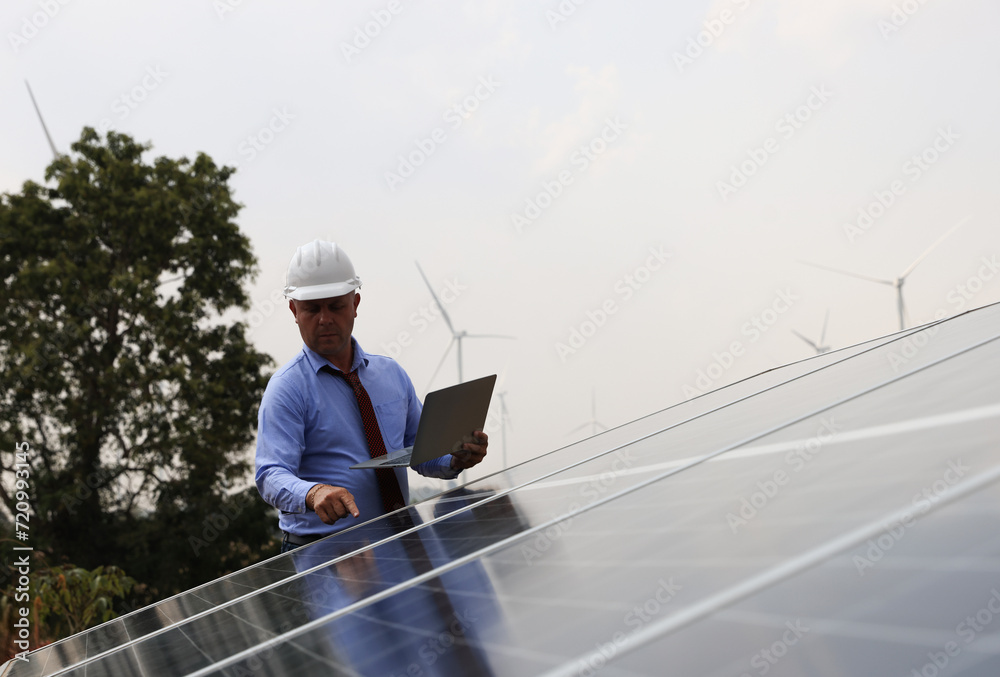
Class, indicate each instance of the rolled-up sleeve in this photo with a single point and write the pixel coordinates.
(439, 468)
(280, 444)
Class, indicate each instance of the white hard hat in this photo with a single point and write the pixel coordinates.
(320, 270)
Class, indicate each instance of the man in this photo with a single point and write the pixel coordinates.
(334, 405)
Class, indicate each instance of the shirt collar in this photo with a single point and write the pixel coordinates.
(317, 361)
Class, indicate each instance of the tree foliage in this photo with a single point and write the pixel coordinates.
(58, 601)
(137, 399)
(71, 599)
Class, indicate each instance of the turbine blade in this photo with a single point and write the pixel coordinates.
(822, 335)
(443, 358)
(440, 305)
(55, 153)
(931, 248)
(815, 347)
(499, 336)
(601, 425)
(844, 272)
(579, 427)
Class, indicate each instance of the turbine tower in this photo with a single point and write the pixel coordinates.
(456, 336)
(593, 422)
(504, 421)
(897, 282)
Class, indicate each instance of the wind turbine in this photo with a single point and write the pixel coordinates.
(897, 282)
(55, 153)
(818, 347)
(456, 336)
(593, 422)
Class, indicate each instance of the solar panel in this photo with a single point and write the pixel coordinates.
(836, 516)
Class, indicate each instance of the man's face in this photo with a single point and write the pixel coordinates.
(326, 324)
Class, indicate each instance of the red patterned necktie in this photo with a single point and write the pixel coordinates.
(388, 485)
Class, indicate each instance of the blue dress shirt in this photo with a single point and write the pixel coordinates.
(310, 431)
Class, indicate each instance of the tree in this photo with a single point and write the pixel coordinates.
(136, 399)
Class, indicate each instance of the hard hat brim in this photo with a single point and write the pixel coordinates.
(322, 291)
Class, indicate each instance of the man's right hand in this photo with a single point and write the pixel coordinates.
(331, 503)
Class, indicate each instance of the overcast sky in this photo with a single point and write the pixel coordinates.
(626, 188)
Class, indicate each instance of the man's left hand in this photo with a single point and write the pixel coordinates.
(472, 452)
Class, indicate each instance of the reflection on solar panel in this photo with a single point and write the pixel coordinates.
(838, 516)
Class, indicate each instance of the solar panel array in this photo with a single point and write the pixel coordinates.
(837, 516)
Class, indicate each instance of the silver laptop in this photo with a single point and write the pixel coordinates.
(448, 419)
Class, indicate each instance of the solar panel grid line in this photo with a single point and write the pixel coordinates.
(158, 607)
(873, 605)
(506, 649)
(191, 641)
(537, 483)
(946, 564)
(657, 629)
(254, 591)
(855, 629)
(316, 623)
(894, 634)
(274, 641)
(135, 654)
(494, 497)
(924, 423)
